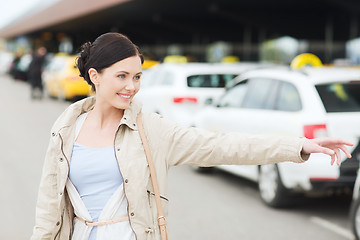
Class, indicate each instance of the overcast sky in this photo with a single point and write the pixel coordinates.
(13, 9)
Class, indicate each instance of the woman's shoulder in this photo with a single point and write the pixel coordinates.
(70, 114)
(157, 125)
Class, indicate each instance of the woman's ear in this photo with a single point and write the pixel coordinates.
(94, 76)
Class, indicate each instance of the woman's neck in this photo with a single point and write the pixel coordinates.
(104, 117)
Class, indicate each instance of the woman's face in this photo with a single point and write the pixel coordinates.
(118, 84)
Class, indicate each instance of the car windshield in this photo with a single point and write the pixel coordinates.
(340, 97)
(209, 80)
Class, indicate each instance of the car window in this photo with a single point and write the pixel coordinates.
(258, 93)
(288, 98)
(234, 96)
(24, 62)
(209, 80)
(340, 97)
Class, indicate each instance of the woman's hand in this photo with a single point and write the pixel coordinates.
(329, 146)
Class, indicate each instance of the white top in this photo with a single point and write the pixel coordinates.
(96, 191)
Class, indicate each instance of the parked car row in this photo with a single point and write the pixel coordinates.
(60, 75)
(61, 78)
(307, 102)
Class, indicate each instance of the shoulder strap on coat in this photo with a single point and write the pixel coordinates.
(161, 217)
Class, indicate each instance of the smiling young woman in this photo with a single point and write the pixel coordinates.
(96, 181)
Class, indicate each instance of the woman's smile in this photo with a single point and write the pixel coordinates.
(124, 96)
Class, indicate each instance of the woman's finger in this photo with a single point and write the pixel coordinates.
(345, 150)
(332, 159)
(326, 150)
(338, 157)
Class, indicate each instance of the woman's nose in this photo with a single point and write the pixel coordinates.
(130, 85)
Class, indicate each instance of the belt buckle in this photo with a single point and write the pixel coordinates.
(161, 220)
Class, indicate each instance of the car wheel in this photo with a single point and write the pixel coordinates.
(272, 191)
(355, 218)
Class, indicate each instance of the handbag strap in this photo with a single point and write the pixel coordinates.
(161, 217)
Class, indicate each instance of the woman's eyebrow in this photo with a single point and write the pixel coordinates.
(123, 72)
(128, 72)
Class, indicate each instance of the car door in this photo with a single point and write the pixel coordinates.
(285, 117)
(244, 107)
(257, 106)
(269, 106)
(248, 115)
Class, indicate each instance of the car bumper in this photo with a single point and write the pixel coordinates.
(340, 183)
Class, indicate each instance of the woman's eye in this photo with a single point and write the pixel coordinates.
(137, 77)
(122, 76)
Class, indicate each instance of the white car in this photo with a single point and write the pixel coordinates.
(311, 102)
(178, 91)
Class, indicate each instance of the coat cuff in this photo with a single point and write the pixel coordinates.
(303, 156)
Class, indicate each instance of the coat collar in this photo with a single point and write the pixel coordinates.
(69, 116)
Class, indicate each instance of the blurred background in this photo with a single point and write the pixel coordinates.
(202, 58)
(251, 30)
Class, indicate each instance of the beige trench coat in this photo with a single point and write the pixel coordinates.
(170, 145)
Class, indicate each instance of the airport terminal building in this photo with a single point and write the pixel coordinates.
(251, 30)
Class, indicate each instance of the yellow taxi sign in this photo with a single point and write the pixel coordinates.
(61, 54)
(175, 59)
(305, 59)
(230, 59)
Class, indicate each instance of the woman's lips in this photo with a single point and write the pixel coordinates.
(124, 96)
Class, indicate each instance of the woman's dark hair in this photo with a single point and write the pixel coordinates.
(106, 50)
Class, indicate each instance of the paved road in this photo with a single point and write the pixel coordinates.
(202, 206)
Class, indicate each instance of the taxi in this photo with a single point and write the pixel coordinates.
(305, 100)
(61, 78)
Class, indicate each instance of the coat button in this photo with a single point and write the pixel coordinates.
(134, 124)
(60, 193)
(132, 214)
(126, 180)
(61, 159)
(118, 149)
(58, 223)
(124, 118)
(53, 134)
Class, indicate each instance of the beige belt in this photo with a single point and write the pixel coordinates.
(101, 223)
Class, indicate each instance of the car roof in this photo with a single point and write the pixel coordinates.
(317, 75)
(330, 74)
(207, 67)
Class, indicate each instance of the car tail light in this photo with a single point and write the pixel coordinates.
(323, 179)
(315, 131)
(185, 99)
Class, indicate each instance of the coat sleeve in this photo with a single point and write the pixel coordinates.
(200, 147)
(46, 216)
